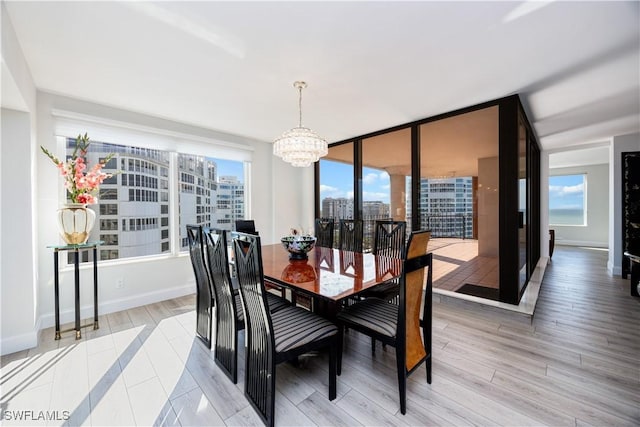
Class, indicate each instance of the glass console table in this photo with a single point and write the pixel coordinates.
(76, 249)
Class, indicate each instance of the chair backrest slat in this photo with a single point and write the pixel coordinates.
(324, 232)
(389, 238)
(218, 261)
(351, 235)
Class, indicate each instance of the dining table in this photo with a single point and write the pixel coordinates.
(328, 275)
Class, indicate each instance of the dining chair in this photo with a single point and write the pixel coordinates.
(229, 312)
(389, 238)
(350, 235)
(272, 338)
(389, 242)
(204, 294)
(398, 325)
(249, 226)
(324, 232)
(246, 226)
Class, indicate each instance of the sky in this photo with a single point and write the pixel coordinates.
(230, 167)
(566, 192)
(336, 180)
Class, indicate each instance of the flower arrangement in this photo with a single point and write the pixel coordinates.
(81, 183)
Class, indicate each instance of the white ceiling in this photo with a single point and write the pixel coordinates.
(230, 66)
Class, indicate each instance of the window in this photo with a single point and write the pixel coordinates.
(134, 210)
(206, 181)
(108, 224)
(109, 239)
(336, 185)
(108, 194)
(567, 201)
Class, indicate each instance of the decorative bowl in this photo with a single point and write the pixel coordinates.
(298, 246)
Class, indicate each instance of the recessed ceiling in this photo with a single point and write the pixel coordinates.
(230, 66)
(597, 155)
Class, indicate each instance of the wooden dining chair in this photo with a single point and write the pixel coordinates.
(229, 312)
(350, 235)
(324, 232)
(204, 293)
(272, 338)
(398, 325)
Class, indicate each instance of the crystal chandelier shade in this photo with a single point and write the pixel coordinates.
(300, 146)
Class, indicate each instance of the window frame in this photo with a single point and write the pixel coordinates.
(69, 124)
(585, 222)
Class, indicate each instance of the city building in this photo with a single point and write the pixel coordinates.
(447, 206)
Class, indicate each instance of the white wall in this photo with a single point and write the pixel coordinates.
(18, 288)
(18, 260)
(620, 144)
(27, 303)
(293, 198)
(596, 232)
(148, 280)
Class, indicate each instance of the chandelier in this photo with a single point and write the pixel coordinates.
(300, 146)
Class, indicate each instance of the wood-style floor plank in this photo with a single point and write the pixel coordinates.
(576, 364)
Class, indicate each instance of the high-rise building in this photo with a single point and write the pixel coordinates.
(337, 208)
(375, 210)
(132, 213)
(446, 206)
(229, 202)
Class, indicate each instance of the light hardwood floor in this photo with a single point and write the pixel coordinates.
(577, 364)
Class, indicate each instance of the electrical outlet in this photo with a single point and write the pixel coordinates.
(120, 283)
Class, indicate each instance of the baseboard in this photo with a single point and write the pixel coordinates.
(585, 243)
(112, 306)
(614, 270)
(20, 342)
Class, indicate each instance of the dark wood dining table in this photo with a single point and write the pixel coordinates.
(328, 275)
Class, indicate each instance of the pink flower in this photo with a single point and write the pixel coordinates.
(86, 199)
(80, 182)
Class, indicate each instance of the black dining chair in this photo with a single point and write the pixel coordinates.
(229, 312)
(389, 242)
(398, 325)
(324, 232)
(273, 338)
(389, 238)
(246, 226)
(204, 293)
(350, 235)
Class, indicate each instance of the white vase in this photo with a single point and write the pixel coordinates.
(75, 222)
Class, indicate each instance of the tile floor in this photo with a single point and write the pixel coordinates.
(456, 262)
